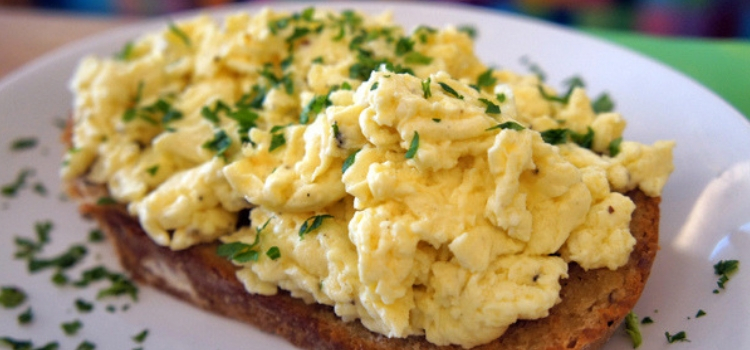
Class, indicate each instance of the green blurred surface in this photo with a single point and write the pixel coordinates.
(721, 65)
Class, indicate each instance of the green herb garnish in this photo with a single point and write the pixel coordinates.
(426, 88)
(555, 136)
(83, 306)
(491, 107)
(273, 253)
(680, 336)
(40, 189)
(603, 103)
(404, 45)
(26, 317)
(631, 327)
(23, 143)
(584, 140)
(470, 30)
(450, 90)
(86, 345)
(316, 105)
(11, 297)
(11, 189)
(72, 327)
(16, 344)
(140, 337)
(95, 235)
(152, 170)
(724, 269)
(700, 313)
(415, 57)
(486, 80)
(65, 260)
(647, 320)
(507, 125)
(349, 161)
(179, 33)
(614, 147)
(413, 146)
(126, 53)
(311, 224)
(277, 140)
(219, 144)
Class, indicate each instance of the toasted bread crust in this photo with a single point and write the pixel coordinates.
(593, 305)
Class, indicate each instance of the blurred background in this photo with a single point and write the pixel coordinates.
(691, 18)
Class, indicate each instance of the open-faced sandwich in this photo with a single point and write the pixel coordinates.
(336, 180)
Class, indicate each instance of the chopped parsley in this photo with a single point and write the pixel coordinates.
(26, 248)
(470, 30)
(412, 151)
(311, 224)
(26, 317)
(404, 45)
(366, 63)
(11, 297)
(647, 320)
(242, 252)
(680, 336)
(584, 140)
(152, 170)
(11, 189)
(86, 345)
(119, 284)
(23, 143)
(724, 269)
(273, 253)
(67, 259)
(500, 97)
(349, 161)
(277, 140)
(555, 136)
(374, 86)
(83, 306)
(450, 90)
(426, 88)
(219, 144)
(486, 80)
(126, 53)
(40, 189)
(72, 327)
(491, 107)
(253, 99)
(284, 81)
(238, 251)
(603, 103)
(614, 147)
(141, 337)
(180, 34)
(16, 344)
(631, 327)
(507, 125)
(573, 83)
(317, 105)
(700, 313)
(415, 57)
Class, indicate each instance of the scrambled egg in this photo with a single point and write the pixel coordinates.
(392, 176)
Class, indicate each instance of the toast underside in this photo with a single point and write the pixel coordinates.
(593, 305)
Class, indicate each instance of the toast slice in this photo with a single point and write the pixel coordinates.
(594, 302)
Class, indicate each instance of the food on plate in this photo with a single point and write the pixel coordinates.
(347, 167)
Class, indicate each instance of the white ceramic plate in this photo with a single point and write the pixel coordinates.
(705, 206)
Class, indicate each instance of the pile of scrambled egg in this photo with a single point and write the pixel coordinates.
(391, 175)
